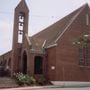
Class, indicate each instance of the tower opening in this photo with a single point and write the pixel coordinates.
(24, 63)
(21, 18)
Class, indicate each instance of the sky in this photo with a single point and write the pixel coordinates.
(42, 13)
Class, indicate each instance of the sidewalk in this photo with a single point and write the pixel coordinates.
(57, 85)
(24, 88)
(71, 84)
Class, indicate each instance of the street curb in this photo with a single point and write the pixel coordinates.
(44, 87)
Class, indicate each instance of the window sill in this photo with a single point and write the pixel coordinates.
(84, 67)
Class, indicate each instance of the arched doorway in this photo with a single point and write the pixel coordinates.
(24, 63)
(38, 67)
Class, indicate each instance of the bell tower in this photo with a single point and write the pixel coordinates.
(19, 31)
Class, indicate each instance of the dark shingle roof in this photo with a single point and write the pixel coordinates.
(50, 34)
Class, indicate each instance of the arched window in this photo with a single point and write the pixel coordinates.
(9, 62)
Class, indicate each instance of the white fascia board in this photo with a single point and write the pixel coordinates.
(28, 39)
(50, 46)
(44, 43)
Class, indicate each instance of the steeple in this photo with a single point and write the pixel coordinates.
(20, 29)
(20, 21)
(22, 6)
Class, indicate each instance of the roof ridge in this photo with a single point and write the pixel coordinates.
(71, 21)
(56, 30)
(60, 19)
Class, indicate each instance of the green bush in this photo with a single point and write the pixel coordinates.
(24, 79)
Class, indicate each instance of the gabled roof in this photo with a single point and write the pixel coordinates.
(50, 35)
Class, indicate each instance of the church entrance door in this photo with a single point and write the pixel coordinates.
(38, 67)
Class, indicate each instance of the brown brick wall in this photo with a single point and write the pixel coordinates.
(51, 61)
(6, 56)
(67, 67)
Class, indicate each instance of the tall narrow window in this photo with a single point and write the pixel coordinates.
(84, 56)
(21, 26)
(87, 56)
(81, 56)
(9, 62)
(87, 19)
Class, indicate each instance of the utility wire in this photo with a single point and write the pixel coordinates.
(1, 12)
(6, 12)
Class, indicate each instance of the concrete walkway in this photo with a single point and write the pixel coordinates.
(57, 85)
(70, 83)
(24, 88)
(42, 87)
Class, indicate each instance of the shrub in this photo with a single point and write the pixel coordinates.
(24, 79)
(33, 80)
(42, 80)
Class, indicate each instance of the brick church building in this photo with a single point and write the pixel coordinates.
(50, 52)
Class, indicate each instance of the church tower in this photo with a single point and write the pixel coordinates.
(20, 29)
